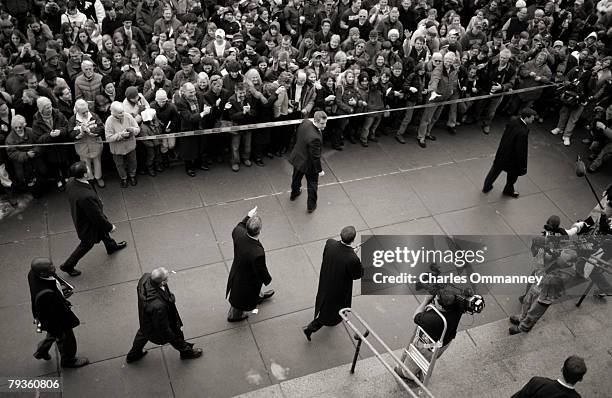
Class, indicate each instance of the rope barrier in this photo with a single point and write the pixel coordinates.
(256, 126)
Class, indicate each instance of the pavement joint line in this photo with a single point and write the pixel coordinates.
(259, 351)
(163, 355)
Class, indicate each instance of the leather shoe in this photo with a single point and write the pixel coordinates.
(400, 139)
(75, 363)
(133, 181)
(124, 183)
(487, 189)
(422, 144)
(193, 354)
(72, 272)
(134, 358)
(514, 330)
(118, 246)
(311, 209)
(259, 162)
(267, 295)
(45, 356)
(513, 194)
(307, 332)
(242, 318)
(430, 137)
(514, 320)
(295, 195)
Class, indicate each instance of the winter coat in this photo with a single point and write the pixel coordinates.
(57, 153)
(89, 145)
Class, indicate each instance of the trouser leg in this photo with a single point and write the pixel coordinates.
(491, 108)
(109, 243)
(296, 181)
(312, 183)
(140, 340)
(120, 164)
(89, 164)
(563, 116)
(132, 163)
(235, 148)
(67, 346)
(314, 325)
(97, 166)
(234, 313)
(406, 119)
(532, 312)
(425, 121)
(603, 153)
(511, 178)
(81, 250)
(572, 119)
(434, 118)
(180, 344)
(45, 345)
(365, 128)
(491, 177)
(377, 121)
(150, 157)
(246, 138)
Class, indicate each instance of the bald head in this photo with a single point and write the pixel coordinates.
(42, 267)
(159, 275)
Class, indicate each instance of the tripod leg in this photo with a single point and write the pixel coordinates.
(586, 292)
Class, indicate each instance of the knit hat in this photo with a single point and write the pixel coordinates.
(131, 92)
(161, 95)
(353, 31)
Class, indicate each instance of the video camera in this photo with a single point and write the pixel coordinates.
(465, 299)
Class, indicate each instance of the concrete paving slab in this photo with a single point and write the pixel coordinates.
(274, 391)
(476, 170)
(517, 264)
(169, 192)
(19, 342)
(359, 162)
(113, 377)
(385, 200)
(452, 189)
(28, 224)
(218, 373)
(109, 320)
(176, 240)
(293, 280)
(279, 172)
(205, 286)
(551, 169)
(468, 143)
(421, 226)
(58, 213)
(112, 199)
(280, 340)
(277, 231)
(527, 214)
(411, 156)
(99, 268)
(221, 184)
(576, 202)
(15, 260)
(334, 210)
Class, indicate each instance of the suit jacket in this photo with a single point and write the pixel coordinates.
(511, 154)
(51, 309)
(87, 212)
(339, 268)
(543, 387)
(159, 319)
(306, 154)
(248, 270)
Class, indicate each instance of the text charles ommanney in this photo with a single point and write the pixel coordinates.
(475, 277)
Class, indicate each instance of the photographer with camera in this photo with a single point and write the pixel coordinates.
(52, 314)
(429, 320)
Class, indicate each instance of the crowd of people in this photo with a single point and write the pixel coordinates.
(80, 72)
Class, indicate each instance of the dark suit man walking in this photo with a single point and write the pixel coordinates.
(339, 269)
(249, 271)
(159, 319)
(52, 310)
(511, 155)
(306, 158)
(91, 224)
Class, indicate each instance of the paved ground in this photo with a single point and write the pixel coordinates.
(185, 224)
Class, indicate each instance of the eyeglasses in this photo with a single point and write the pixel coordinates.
(437, 60)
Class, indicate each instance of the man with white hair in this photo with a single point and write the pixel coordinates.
(121, 130)
(169, 118)
(88, 84)
(443, 86)
(159, 319)
(192, 111)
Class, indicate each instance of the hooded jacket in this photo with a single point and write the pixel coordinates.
(157, 313)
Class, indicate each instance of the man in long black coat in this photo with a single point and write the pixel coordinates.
(159, 319)
(339, 269)
(89, 219)
(511, 155)
(52, 310)
(249, 271)
(306, 158)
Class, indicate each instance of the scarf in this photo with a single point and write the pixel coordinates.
(48, 120)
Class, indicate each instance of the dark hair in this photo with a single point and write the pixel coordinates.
(527, 112)
(446, 298)
(348, 234)
(78, 169)
(574, 369)
(240, 87)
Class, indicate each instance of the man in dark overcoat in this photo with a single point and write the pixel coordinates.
(192, 111)
(511, 155)
(159, 319)
(340, 267)
(249, 271)
(89, 219)
(306, 158)
(51, 309)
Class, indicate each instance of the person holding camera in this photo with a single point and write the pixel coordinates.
(429, 320)
(52, 313)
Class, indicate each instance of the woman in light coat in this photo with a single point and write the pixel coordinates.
(87, 129)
